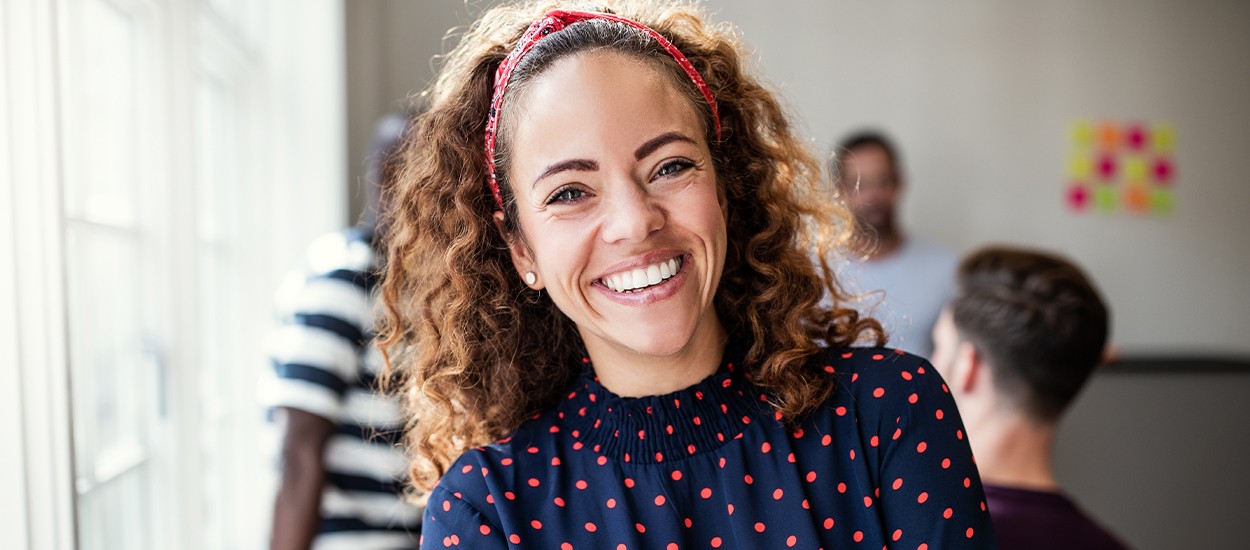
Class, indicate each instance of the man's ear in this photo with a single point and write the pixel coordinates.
(522, 256)
(970, 368)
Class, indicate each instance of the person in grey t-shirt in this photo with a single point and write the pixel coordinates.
(904, 280)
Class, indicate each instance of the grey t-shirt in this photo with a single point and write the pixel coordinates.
(905, 291)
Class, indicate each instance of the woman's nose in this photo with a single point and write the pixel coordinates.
(631, 215)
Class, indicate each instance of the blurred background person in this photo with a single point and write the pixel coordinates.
(1015, 345)
(342, 469)
(913, 275)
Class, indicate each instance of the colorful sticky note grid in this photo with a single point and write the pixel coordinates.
(1121, 167)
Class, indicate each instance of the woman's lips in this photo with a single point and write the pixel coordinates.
(641, 278)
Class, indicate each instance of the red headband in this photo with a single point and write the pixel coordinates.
(553, 21)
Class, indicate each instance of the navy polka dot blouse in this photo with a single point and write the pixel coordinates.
(883, 464)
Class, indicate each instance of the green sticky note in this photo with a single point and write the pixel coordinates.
(1105, 198)
(1163, 138)
(1135, 169)
(1082, 135)
(1163, 201)
(1078, 167)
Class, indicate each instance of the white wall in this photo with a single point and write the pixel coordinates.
(980, 94)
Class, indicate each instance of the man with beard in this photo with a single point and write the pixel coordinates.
(907, 277)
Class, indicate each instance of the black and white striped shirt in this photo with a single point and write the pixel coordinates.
(323, 364)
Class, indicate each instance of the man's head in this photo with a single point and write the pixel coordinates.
(1025, 330)
(865, 168)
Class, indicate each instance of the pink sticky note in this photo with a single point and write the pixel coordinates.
(1106, 167)
(1078, 197)
(1136, 137)
(1163, 170)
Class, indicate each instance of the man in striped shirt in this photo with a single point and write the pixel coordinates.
(342, 467)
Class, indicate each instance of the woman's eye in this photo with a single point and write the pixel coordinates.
(673, 167)
(566, 195)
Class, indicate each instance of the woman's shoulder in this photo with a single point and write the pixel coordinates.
(879, 379)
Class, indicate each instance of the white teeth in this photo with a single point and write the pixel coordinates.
(642, 277)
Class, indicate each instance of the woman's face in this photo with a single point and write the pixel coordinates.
(617, 204)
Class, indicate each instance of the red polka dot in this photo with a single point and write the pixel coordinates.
(690, 448)
(731, 509)
(898, 534)
(446, 542)
(640, 527)
(826, 440)
(706, 492)
(566, 546)
(759, 527)
(913, 398)
(536, 524)
(672, 546)
(514, 538)
(559, 502)
(509, 495)
(841, 411)
(688, 522)
(602, 460)
(920, 448)
(611, 503)
(877, 357)
(852, 454)
(858, 536)
(923, 546)
(466, 469)
(766, 447)
(629, 482)
(874, 441)
(659, 500)
(878, 392)
(676, 475)
(716, 542)
(791, 541)
(828, 523)
(967, 482)
(898, 483)
(591, 527)
(581, 484)
(446, 505)
(555, 461)
(659, 457)
(748, 479)
(939, 414)
(946, 463)
(490, 499)
(947, 513)
(811, 476)
(485, 529)
(898, 432)
(533, 482)
(806, 506)
(906, 375)
(842, 488)
(922, 498)
(867, 502)
(969, 533)
(959, 434)
(778, 494)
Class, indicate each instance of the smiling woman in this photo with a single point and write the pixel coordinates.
(600, 305)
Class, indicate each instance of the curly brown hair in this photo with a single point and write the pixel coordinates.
(475, 352)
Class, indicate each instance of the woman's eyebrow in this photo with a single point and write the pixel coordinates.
(659, 141)
(565, 165)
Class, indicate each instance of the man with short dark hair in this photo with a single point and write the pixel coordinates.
(1015, 345)
(909, 278)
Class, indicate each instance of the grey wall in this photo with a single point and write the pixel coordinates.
(979, 94)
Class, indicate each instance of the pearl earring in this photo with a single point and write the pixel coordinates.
(530, 278)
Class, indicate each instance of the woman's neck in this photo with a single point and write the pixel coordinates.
(630, 374)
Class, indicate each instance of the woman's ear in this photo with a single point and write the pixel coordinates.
(522, 256)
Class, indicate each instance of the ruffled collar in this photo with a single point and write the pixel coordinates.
(658, 428)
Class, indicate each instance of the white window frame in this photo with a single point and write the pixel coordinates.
(299, 123)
